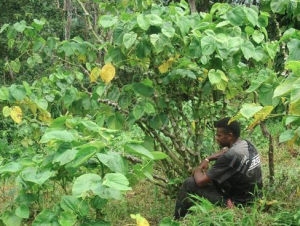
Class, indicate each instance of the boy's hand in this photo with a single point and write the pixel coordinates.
(229, 204)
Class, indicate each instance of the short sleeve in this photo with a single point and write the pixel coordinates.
(221, 170)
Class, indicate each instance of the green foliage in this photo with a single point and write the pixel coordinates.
(159, 68)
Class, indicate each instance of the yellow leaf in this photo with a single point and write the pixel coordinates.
(166, 65)
(193, 124)
(271, 202)
(45, 117)
(107, 73)
(16, 114)
(81, 59)
(140, 221)
(260, 116)
(295, 108)
(95, 74)
(239, 115)
(291, 142)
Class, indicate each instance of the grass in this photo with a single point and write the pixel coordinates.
(280, 204)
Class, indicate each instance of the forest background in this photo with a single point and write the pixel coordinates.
(108, 105)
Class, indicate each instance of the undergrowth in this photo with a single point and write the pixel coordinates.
(280, 204)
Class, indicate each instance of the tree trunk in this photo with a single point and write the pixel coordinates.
(192, 6)
(267, 134)
(68, 8)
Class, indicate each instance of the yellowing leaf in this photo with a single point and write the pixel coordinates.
(45, 117)
(81, 59)
(260, 116)
(16, 114)
(270, 203)
(239, 115)
(193, 124)
(31, 104)
(107, 73)
(291, 142)
(295, 108)
(95, 73)
(6, 111)
(166, 65)
(140, 221)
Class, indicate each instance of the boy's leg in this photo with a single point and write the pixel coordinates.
(189, 186)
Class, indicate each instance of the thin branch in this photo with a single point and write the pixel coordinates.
(87, 15)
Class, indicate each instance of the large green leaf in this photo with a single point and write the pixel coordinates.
(248, 110)
(18, 92)
(143, 48)
(107, 21)
(279, 6)
(110, 193)
(114, 161)
(20, 26)
(142, 89)
(208, 45)
(248, 49)
(215, 76)
(32, 175)
(67, 218)
(294, 49)
(294, 66)
(11, 219)
(258, 37)
(57, 135)
(159, 42)
(64, 156)
(129, 39)
(4, 93)
(251, 15)
(46, 218)
(117, 181)
(143, 21)
(155, 19)
(236, 16)
(74, 204)
(272, 48)
(255, 84)
(116, 121)
(90, 125)
(138, 111)
(22, 211)
(195, 47)
(184, 25)
(295, 95)
(168, 30)
(286, 136)
(285, 87)
(11, 167)
(82, 156)
(139, 150)
(85, 183)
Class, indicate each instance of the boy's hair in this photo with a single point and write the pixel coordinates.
(234, 127)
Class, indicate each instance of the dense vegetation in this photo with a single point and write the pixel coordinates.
(97, 96)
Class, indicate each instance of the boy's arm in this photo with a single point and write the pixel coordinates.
(205, 163)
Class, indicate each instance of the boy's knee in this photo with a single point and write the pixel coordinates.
(189, 182)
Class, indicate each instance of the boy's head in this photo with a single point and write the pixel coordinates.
(226, 133)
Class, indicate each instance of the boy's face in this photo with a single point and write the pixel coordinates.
(223, 139)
